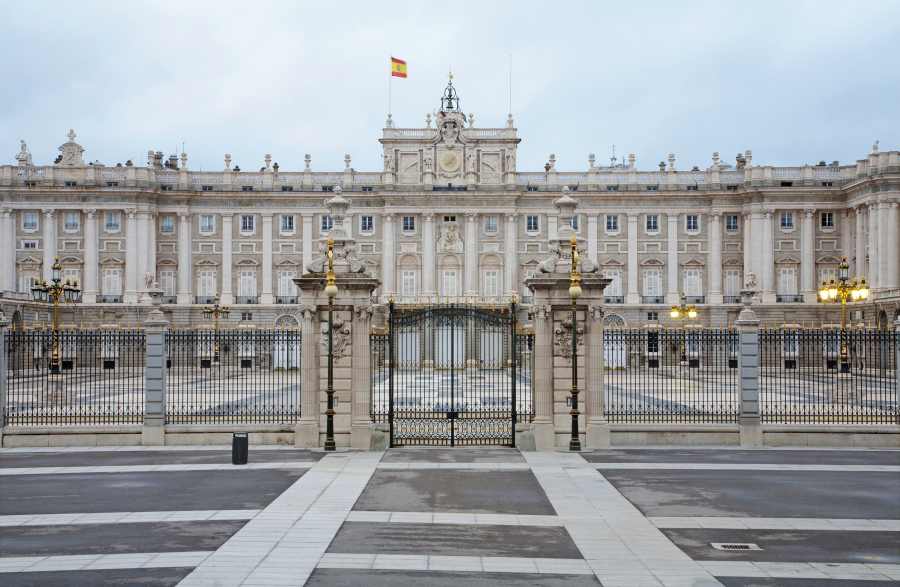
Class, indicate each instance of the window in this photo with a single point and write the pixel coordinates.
(167, 224)
(166, 188)
(112, 282)
(448, 283)
(450, 218)
(491, 283)
(71, 275)
(692, 223)
(612, 223)
(692, 188)
(614, 289)
(693, 283)
(246, 188)
(787, 281)
(247, 284)
(366, 224)
(29, 244)
(72, 222)
(287, 188)
(112, 221)
(787, 221)
(207, 224)
(490, 224)
(366, 188)
(732, 283)
(246, 316)
(827, 274)
(409, 224)
(652, 283)
(827, 219)
(612, 188)
(29, 221)
(573, 222)
(287, 223)
(652, 223)
(731, 223)
(327, 223)
(532, 188)
(206, 188)
(286, 286)
(532, 224)
(70, 184)
(248, 223)
(653, 316)
(206, 283)
(26, 282)
(652, 188)
(167, 283)
(408, 283)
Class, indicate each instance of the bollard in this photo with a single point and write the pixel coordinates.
(239, 448)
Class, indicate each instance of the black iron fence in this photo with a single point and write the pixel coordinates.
(96, 379)
(233, 376)
(825, 377)
(677, 376)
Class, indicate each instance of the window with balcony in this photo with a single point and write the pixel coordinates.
(490, 280)
(206, 286)
(327, 223)
(490, 224)
(532, 223)
(248, 223)
(167, 224)
(826, 220)
(111, 285)
(787, 221)
(787, 285)
(652, 286)
(409, 224)
(731, 223)
(693, 286)
(366, 223)
(652, 223)
(247, 287)
(29, 221)
(408, 283)
(287, 290)
(112, 221)
(287, 224)
(72, 222)
(613, 292)
(612, 223)
(732, 289)
(207, 223)
(167, 284)
(691, 223)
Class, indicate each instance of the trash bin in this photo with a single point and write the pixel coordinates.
(239, 448)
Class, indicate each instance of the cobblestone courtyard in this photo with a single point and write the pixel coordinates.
(432, 516)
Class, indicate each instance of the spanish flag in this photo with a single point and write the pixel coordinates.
(398, 67)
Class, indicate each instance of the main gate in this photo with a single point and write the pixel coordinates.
(452, 375)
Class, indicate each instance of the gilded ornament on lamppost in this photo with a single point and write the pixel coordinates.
(841, 291)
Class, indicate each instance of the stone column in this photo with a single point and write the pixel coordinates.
(361, 377)
(597, 435)
(307, 242)
(592, 244)
(747, 326)
(155, 372)
(715, 257)
(152, 229)
(132, 258)
(49, 244)
(91, 257)
(768, 259)
(872, 273)
(633, 296)
(846, 240)
(7, 251)
(227, 298)
(266, 297)
(892, 247)
(184, 259)
(388, 257)
(672, 295)
(471, 278)
(552, 228)
(306, 434)
(808, 256)
(428, 266)
(141, 254)
(859, 264)
(746, 224)
(511, 255)
(544, 435)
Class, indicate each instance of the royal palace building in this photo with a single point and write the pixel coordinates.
(449, 217)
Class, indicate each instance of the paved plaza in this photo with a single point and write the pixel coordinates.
(455, 516)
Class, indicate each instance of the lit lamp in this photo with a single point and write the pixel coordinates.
(841, 291)
(682, 312)
(54, 292)
(574, 293)
(215, 312)
(331, 290)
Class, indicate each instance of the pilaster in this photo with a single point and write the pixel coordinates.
(715, 258)
(511, 257)
(428, 266)
(49, 243)
(768, 259)
(632, 297)
(91, 257)
(807, 257)
(471, 277)
(266, 297)
(307, 241)
(672, 295)
(184, 259)
(227, 297)
(132, 255)
(388, 258)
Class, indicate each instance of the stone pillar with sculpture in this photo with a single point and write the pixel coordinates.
(556, 313)
(351, 309)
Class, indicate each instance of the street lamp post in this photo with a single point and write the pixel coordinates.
(683, 312)
(215, 312)
(574, 293)
(331, 290)
(841, 291)
(54, 292)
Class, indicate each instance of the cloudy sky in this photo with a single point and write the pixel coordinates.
(794, 81)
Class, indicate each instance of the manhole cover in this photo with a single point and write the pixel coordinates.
(735, 546)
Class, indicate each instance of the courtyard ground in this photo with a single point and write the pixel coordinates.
(470, 516)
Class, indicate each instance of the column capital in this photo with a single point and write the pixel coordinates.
(267, 216)
(633, 216)
(388, 216)
(6, 212)
(131, 212)
(307, 215)
(809, 212)
(184, 215)
(471, 216)
(91, 213)
(893, 205)
(428, 216)
(715, 213)
(48, 212)
(229, 216)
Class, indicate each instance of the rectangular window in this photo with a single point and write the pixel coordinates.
(29, 221)
(112, 221)
(206, 283)
(573, 222)
(652, 283)
(72, 222)
(612, 223)
(112, 282)
(409, 224)
(26, 282)
(327, 223)
(692, 223)
(827, 219)
(614, 289)
(287, 188)
(491, 283)
(246, 188)
(490, 224)
(787, 220)
(206, 188)
(408, 283)
(731, 223)
(286, 286)
(732, 283)
(827, 274)
(167, 283)
(693, 283)
(449, 283)
(652, 223)
(787, 281)
(247, 284)
(652, 317)
(287, 223)
(29, 244)
(207, 223)
(366, 224)
(167, 224)
(532, 224)
(71, 275)
(248, 223)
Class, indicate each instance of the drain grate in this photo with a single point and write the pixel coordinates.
(735, 546)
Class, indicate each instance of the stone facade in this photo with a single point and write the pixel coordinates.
(449, 216)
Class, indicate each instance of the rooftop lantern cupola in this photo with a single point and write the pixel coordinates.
(450, 99)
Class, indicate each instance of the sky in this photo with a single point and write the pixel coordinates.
(796, 82)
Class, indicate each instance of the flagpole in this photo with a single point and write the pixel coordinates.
(390, 82)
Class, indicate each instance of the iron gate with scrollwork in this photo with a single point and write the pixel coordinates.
(452, 375)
